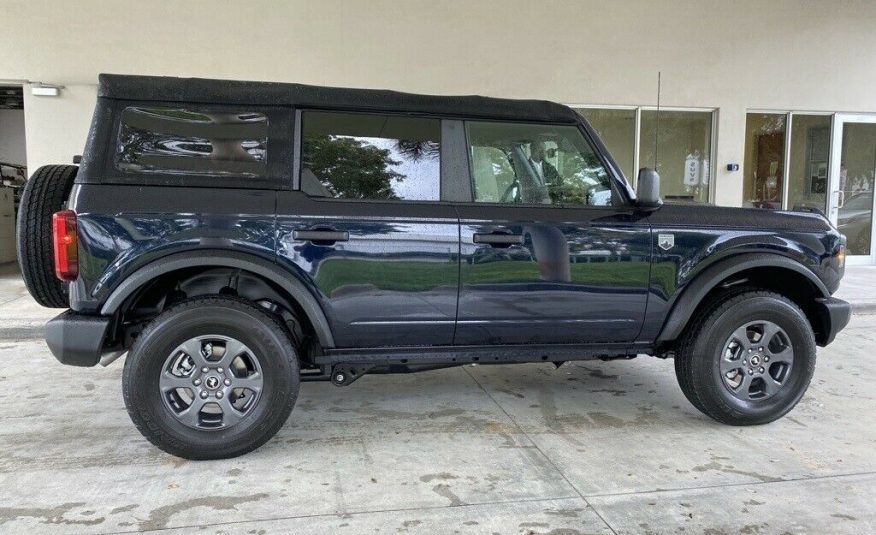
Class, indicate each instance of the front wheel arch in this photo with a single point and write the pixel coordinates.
(771, 272)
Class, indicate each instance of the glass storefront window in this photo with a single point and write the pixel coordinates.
(617, 130)
(764, 165)
(683, 152)
(808, 162)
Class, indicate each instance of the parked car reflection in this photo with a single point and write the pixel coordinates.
(854, 221)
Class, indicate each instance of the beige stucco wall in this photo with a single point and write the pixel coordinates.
(776, 54)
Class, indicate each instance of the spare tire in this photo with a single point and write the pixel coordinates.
(44, 194)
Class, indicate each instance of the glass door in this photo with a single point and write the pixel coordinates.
(852, 180)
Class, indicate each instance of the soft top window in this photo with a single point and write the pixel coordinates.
(185, 141)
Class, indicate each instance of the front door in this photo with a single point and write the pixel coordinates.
(550, 252)
(852, 180)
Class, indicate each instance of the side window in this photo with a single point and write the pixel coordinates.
(370, 156)
(535, 164)
(182, 141)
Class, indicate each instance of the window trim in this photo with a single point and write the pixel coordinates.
(298, 140)
(616, 182)
(276, 168)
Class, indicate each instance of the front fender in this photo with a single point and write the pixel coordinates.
(693, 293)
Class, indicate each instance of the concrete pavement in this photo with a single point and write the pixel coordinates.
(589, 448)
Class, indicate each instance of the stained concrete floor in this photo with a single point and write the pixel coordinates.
(588, 448)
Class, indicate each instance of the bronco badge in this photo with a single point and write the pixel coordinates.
(666, 241)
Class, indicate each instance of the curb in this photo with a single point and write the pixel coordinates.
(864, 307)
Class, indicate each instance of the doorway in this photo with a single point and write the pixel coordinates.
(13, 166)
(852, 181)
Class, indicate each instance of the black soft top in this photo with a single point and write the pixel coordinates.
(206, 91)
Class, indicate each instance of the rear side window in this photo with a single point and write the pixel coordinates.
(370, 156)
(184, 141)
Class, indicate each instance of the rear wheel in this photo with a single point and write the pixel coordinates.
(211, 378)
(749, 360)
(44, 194)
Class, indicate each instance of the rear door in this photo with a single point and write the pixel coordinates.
(551, 251)
(366, 228)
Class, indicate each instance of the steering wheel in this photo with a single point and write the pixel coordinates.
(512, 191)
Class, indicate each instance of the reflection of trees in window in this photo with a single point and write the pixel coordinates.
(350, 168)
(417, 150)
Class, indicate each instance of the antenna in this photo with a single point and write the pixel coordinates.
(657, 121)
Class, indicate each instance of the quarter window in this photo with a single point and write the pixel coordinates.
(535, 164)
(369, 156)
(182, 141)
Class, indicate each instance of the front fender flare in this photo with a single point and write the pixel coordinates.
(697, 289)
(220, 258)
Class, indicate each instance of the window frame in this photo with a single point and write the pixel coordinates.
(277, 176)
(618, 186)
(445, 182)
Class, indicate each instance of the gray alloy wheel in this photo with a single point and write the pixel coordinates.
(757, 360)
(211, 382)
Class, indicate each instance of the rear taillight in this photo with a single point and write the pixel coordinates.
(66, 245)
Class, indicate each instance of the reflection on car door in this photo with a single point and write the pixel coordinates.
(551, 275)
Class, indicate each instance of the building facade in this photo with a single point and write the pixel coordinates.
(767, 104)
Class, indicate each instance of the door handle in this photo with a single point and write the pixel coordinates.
(499, 239)
(321, 236)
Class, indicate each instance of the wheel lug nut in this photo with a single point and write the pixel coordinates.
(760, 349)
(750, 372)
(196, 382)
(219, 370)
(766, 359)
(204, 395)
(750, 350)
(761, 369)
(227, 382)
(205, 369)
(219, 395)
(745, 361)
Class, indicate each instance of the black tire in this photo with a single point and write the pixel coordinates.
(44, 194)
(227, 316)
(697, 362)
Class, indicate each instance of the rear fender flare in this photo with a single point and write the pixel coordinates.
(219, 258)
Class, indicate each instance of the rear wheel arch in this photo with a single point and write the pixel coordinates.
(214, 268)
(772, 272)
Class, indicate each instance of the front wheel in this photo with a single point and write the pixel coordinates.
(749, 360)
(211, 378)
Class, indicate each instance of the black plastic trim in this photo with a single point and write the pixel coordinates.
(222, 258)
(481, 354)
(77, 339)
(835, 315)
(706, 281)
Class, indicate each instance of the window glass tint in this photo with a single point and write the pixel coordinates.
(365, 156)
(163, 140)
(535, 164)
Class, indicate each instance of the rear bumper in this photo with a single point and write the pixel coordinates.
(77, 339)
(835, 314)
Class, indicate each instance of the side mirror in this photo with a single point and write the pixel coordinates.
(648, 188)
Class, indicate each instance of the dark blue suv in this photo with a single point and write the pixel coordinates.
(236, 238)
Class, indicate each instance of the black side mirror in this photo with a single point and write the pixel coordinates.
(648, 188)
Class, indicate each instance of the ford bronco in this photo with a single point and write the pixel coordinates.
(236, 238)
